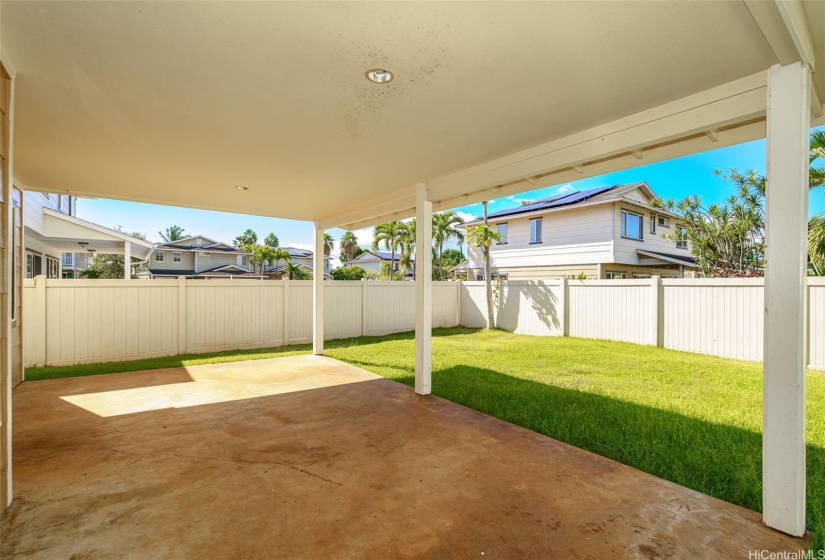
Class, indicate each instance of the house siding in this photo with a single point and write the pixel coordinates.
(625, 249)
(209, 260)
(575, 236)
(187, 261)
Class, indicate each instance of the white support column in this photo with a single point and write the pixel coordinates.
(423, 291)
(786, 208)
(318, 292)
(127, 260)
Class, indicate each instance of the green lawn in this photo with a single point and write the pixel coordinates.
(692, 419)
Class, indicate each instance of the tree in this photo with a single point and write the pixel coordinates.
(271, 240)
(348, 244)
(329, 244)
(107, 266)
(173, 233)
(389, 234)
(450, 258)
(728, 239)
(261, 254)
(405, 260)
(443, 231)
(816, 225)
(348, 273)
(295, 272)
(246, 239)
(482, 236)
(279, 255)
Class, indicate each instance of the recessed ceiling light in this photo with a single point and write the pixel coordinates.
(379, 76)
(242, 188)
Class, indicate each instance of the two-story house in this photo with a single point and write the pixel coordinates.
(609, 232)
(299, 257)
(373, 260)
(198, 257)
(58, 244)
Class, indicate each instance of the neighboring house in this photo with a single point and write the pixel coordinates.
(198, 257)
(610, 232)
(58, 244)
(301, 257)
(372, 260)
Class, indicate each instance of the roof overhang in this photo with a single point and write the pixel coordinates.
(657, 258)
(65, 234)
(138, 92)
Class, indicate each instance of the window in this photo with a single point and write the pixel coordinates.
(52, 268)
(242, 260)
(616, 275)
(535, 230)
(479, 276)
(641, 276)
(68, 259)
(632, 225)
(502, 231)
(497, 275)
(176, 257)
(29, 265)
(664, 222)
(159, 256)
(682, 239)
(653, 223)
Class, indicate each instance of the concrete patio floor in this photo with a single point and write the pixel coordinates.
(308, 457)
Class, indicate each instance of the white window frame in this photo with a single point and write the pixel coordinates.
(663, 221)
(641, 217)
(159, 256)
(506, 233)
(615, 275)
(29, 265)
(177, 257)
(681, 236)
(653, 223)
(242, 260)
(537, 240)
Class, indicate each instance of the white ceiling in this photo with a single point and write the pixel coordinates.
(179, 102)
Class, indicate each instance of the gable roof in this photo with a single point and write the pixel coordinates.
(614, 193)
(685, 260)
(188, 244)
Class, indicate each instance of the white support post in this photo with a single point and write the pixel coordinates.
(786, 210)
(127, 260)
(318, 292)
(423, 291)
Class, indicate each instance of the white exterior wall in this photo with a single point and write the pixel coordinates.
(33, 204)
(625, 249)
(574, 236)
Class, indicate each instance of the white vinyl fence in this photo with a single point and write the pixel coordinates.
(77, 321)
(721, 317)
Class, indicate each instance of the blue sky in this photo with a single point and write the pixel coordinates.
(670, 179)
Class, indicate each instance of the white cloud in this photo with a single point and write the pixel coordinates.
(364, 237)
(465, 216)
(565, 188)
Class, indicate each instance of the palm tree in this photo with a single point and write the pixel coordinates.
(173, 233)
(245, 239)
(279, 255)
(293, 271)
(329, 243)
(407, 245)
(483, 237)
(271, 240)
(389, 234)
(347, 244)
(261, 255)
(816, 225)
(443, 230)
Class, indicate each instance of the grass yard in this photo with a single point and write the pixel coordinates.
(692, 419)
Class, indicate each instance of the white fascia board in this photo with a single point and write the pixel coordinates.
(736, 109)
(94, 227)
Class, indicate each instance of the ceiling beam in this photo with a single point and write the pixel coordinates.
(785, 28)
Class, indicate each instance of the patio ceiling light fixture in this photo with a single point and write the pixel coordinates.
(379, 76)
(242, 188)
